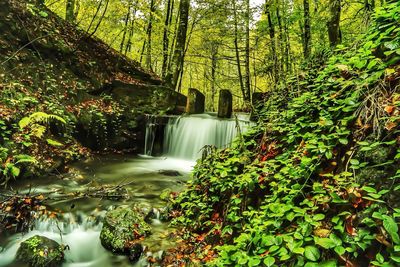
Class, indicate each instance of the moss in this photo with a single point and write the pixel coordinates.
(122, 228)
(40, 251)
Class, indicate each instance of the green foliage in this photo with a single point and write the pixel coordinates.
(305, 187)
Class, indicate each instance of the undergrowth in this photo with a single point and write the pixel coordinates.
(316, 182)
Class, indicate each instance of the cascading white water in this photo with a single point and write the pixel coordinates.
(185, 136)
(150, 135)
(81, 238)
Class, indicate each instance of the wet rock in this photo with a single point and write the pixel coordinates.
(158, 214)
(122, 230)
(40, 251)
(134, 252)
(169, 173)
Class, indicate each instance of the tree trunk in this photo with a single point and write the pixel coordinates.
(214, 62)
(127, 17)
(167, 22)
(149, 33)
(333, 23)
(281, 39)
(128, 46)
(101, 18)
(247, 58)
(307, 30)
(273, 41)
(237, 52)
(177, 61)
(70, 11)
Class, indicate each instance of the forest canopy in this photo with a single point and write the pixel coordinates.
(245, 46)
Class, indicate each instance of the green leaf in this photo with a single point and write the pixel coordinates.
(299, 250)
(24, 122)
(391, 227)
(325, 242)
(25, 158)
(343, 141)
(354, 162)
(53, 142)
(340, 250)
(254, 261)
(369, 189)
(319, 217)
(312, 253)
(269, 261)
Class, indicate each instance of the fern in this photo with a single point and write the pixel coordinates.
(53, 142)
(39, 117)
(25, 159)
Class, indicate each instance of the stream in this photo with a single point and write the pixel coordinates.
(78, 219)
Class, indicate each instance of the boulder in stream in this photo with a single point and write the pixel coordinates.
(123, 229)
(169, 173)
(40, 251)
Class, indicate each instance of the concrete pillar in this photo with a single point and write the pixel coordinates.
(195, 102)
(225, 104)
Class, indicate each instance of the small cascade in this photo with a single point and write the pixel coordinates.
(81, 234)
(185, 136)
(150, 135)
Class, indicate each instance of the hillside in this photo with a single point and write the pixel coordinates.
(316, 182)
(59, 85)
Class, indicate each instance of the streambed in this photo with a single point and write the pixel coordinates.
(78, 223)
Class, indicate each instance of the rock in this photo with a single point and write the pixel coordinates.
(40, 251)
(225, 104)
(195, 102)
(135, 252)
(169, 173)
(160, 214)
(122, 230)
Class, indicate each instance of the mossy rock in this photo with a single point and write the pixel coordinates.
(40, 251)
(379, 155)
(122, 229)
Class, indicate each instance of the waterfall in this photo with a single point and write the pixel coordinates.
(150, 135)
(185, 136)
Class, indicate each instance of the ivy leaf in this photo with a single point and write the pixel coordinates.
(319, 217)
(391, 227)
(254, 261)
(269, 261)
(340, 250)
(368, 189)
(325, 242)
(312, 253)
(343, 141)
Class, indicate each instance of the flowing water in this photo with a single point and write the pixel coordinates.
(78, 223)
(185, 136)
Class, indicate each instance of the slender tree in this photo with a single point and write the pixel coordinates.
(237, 50)
(307, 30)
(149, 34)
(247, 52)
(167, 22)
(272, 39)
(333, 24)
(70, 11)
(178, 59)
